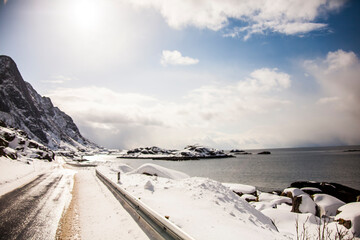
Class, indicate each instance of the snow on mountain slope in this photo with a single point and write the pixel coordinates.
(22, 107)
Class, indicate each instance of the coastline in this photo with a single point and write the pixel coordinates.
(206, 201)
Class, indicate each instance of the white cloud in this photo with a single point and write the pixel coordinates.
(59, 79)
(130, 120)
(266, 79)
(338, 75)
(328, 100)
(284, 16)
(257, 111)
(175, 58)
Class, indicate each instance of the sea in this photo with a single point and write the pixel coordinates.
(275, 171)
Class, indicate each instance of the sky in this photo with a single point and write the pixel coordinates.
(168, 73)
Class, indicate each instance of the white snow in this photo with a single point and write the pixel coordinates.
(286, 221)
(101, 216)
(159, 171)
(191, 151)
(307, 204)
(14, 173)
(293, 191)
(351, 211)
(203, 208)
(328, 204)
(248, 197)
(273, 199)
(240, 188)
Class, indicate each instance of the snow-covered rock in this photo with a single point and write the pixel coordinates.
(200, 152)
(303, 203)
(17, 145)
(349, 216)
(292, 192)
(311, 190)
(344, 193)
(189, 152)
(273, 199)
(241, 188)
(249, 197)
(156, 170)
(328, 204)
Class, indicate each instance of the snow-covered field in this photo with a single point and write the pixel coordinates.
(207, 209)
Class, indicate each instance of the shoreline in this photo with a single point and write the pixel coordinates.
(176, 158)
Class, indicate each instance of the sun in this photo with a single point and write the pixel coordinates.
(86, 14)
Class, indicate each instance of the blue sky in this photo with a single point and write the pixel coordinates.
(226, 74)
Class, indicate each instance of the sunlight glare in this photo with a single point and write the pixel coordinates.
(86, 14)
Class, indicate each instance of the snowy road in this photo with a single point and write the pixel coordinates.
(94, 213)
(33, 211)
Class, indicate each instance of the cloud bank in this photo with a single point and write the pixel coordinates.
(282, 16)
(176, 58)
(260, 110)
(338, 74)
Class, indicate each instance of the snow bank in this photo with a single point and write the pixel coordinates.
(203, 208)
(286, 221)
(156, 170)
(11, 170)
(328, 204)
(14, 173)
(350, 212)
(207, 209)
(241, 188)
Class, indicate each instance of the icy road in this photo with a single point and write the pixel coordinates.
(36, 209)
(33, 211)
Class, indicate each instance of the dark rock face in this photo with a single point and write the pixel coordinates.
(22, 107)
(344, 193)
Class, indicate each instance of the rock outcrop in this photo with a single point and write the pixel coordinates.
(23, 108)
(15, 144)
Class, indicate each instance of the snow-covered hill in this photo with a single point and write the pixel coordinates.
(22, 107)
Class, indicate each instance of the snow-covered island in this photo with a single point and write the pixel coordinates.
(190, 152)
(207, 209)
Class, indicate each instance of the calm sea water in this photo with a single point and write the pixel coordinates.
(276, 171)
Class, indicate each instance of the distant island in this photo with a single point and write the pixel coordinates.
(190, 152)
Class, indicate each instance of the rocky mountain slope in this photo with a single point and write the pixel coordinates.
(15, 144)
(22, 107)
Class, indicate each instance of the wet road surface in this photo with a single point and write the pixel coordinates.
(33, 211)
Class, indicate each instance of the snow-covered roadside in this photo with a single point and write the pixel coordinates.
(14, 174)
(203, 208)
(96, 214)
(206, 209)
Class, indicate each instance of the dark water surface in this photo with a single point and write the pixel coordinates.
(275, 171)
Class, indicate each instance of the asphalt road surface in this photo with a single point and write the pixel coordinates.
(33, 211)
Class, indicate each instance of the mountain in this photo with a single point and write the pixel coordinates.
(22, 107)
